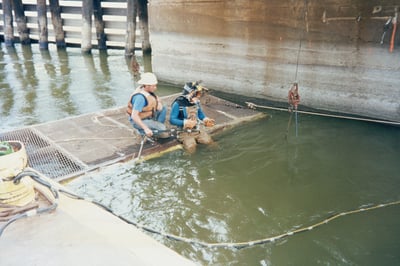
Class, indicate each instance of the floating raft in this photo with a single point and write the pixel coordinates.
(79, 232)
(67, 148)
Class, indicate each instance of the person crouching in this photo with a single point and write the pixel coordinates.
(145, 110)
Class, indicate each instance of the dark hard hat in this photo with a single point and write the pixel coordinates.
(193, 86)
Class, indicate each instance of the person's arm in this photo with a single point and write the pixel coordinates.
(200, 113)
(208, 122)
(174, 116)
(136, 118)
(138, 104)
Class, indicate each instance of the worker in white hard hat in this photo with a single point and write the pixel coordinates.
(146, 112)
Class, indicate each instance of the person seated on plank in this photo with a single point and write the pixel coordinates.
(187, 114)
(145, 110)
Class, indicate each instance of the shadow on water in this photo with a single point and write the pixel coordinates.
(255, 183)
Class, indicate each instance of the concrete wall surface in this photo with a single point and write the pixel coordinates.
(258, 48)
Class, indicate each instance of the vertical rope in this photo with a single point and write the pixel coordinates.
(305, 16)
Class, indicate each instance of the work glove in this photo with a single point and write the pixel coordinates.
(189, 123)
(208, 122)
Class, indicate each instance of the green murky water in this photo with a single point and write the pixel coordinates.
(255, 183)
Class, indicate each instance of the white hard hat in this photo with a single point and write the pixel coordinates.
(148, 79)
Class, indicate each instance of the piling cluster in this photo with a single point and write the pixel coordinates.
(14, 14)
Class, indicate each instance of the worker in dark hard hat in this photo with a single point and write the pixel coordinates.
(186, 113)
(146, 112)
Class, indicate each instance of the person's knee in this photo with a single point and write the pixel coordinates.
(204, 138)
(162, 114)
(189, 144)
(138, 129)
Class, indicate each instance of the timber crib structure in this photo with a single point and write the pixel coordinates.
(88, 23)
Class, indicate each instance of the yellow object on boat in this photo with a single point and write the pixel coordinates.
(13, 163)
(18, 195)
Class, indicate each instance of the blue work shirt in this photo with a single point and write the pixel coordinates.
(174, 115)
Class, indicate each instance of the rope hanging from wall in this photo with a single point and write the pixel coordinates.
(293, 93)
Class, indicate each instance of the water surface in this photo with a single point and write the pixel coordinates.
(257, 182)
(39, 86)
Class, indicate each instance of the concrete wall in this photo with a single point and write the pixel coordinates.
(259, 48)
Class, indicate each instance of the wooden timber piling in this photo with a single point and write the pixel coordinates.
(114, 24)
(131, 27)
(87, 10)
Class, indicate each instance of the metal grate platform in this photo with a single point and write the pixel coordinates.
(44, 156)
(71, 147)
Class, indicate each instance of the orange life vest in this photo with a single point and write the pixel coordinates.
(150, 109)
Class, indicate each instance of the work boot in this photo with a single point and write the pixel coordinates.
(189, 144)
(163, 135)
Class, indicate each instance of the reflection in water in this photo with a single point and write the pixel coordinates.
(100, 79)
(147, 63)
(7, 96)
(135, 64)
(59, 82)
(257, 183)
(24, 80)
(39, 86)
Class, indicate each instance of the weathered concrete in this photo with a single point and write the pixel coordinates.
(259, 48)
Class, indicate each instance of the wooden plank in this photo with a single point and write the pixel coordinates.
(111, 11)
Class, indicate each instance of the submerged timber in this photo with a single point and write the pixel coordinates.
(340, 52)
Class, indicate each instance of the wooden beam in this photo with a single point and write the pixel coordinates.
(144, 25)
(131, 27)
(20, 18)
(8, 23)
(87, 11)
(57, 23)
(42, 23)
(99, 23)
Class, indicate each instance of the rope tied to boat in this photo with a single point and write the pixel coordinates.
(393, 123)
